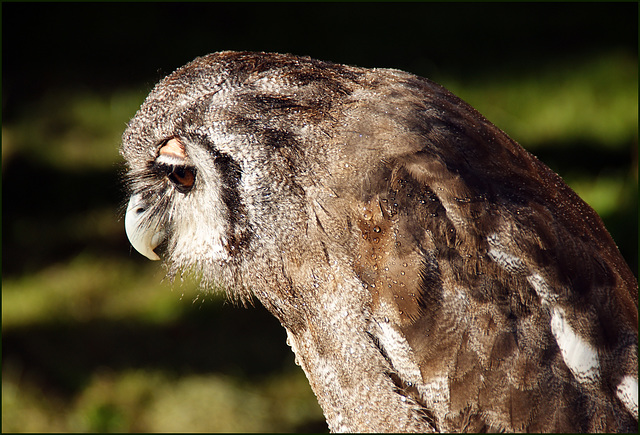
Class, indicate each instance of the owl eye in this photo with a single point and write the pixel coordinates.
(182, 177)
(172, 161)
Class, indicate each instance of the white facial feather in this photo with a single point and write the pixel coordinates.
(199, 221)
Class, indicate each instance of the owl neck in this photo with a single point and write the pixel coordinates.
(332, 341)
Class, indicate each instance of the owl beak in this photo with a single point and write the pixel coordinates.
(144, 232)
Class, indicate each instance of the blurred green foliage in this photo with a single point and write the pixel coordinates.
(94, 339)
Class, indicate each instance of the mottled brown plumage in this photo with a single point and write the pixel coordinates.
(431, 274)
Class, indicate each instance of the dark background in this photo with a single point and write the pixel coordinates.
(102, 46)
(56, 53)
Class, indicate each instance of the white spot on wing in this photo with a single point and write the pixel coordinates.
(628, 394)
(399, 352)
(541, 287)
(507, 261)
(578, 355)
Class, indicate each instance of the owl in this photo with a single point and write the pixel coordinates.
(431, 274)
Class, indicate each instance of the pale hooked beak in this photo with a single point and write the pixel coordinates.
(144, 232)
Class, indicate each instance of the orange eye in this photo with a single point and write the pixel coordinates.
(172, 160)
(182, 177)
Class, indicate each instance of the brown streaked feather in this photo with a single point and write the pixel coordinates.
(468, 182)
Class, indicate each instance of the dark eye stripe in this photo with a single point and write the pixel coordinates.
(239, 233)
(231, 174)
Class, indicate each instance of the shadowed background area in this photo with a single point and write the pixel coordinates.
(93, 338)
